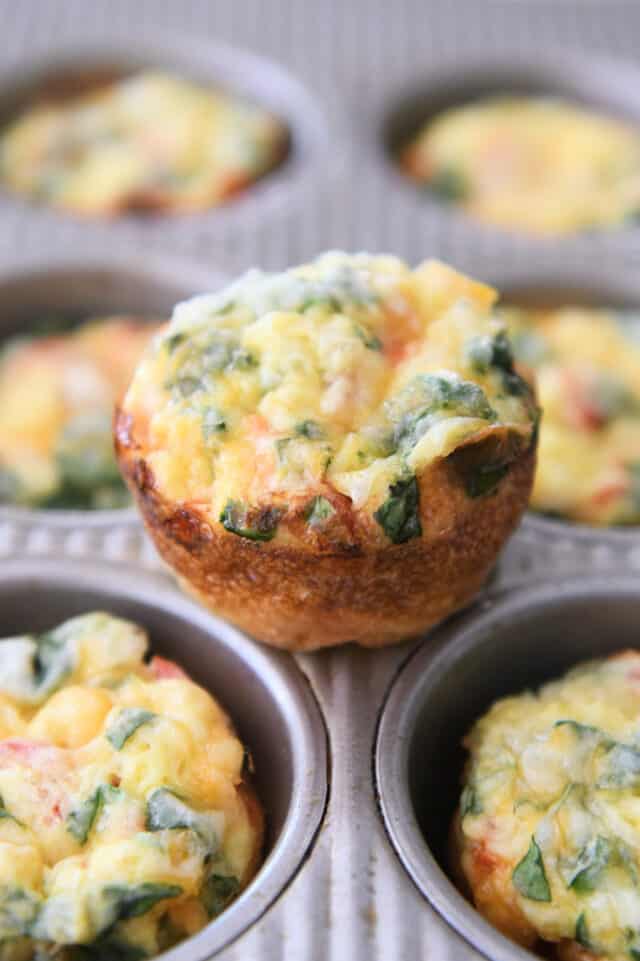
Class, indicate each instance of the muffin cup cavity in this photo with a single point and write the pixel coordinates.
(505, 646)
(78, 289)
(268, 699)
(69, 70)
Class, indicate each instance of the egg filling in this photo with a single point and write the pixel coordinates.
(149, 141)
(123, 823)
(549, 829)
(587, 371)
(284, 394)
(57, 394)
(545, 166)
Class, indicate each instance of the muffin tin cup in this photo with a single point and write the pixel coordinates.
(601, 83)
(514, 642)
(84, 287)
(313, 146)
(269, 700)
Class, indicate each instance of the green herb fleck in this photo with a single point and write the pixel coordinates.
(399, 515)
(590, 864)
(126, 724)
(262, 526)
(318, 511)
(529, 876)
(135, 900)
(484, 479)
(217, 892)
(81, 819)
(469, 801)
(582, 932)
(212, 423)
(166, 811)
(310, 429)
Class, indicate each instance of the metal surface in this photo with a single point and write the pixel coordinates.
(446, 685)
(273, 708)
(338, 71)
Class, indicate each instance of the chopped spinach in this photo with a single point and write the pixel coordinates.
(309, 429)
(529, 876)
(369, 339)
(81, 819)
(399, 515)
(218, 890)
(256, 525)
(166, 811)
(126, 724)
(495, 353)
(174, 340)
(621, 767)
(131, 901)
(590, 864)
(18, 911)
(448, 184)
(582, 931)
(212, 422)
(427, 397)
(318, 511)
(470, 803)
(484, 479)
(5, 814)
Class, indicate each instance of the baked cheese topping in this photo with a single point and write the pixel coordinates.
(587, 371)
(550, 813)
(149, 141)
(57, 394)
(545, 166)
(343, 378)
(122, 827)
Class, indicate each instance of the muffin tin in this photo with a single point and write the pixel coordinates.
(357, 879)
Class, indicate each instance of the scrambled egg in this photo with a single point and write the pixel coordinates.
(587, 366)
(544, 166)
(149, 141)
(57, 394)
(549, 830)
(339, 379)
(123, 823)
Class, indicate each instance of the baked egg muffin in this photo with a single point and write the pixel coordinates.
(587, 371)
(57, 393)
(152, 141)
(540, 165)
(547, 835)
(126, 824)
(332, 453)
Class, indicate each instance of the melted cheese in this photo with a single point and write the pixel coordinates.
(551, 814)
(337, 378)
(587, 365)
(540, 165)
(151, 140)
(57, 395)
(121, 822)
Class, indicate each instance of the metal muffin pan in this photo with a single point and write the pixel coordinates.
(514, 643)
(269, 700)
(341, 75)
(81, 288)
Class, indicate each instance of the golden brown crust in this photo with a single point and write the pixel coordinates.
(303, 592)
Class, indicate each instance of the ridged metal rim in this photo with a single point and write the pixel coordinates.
(596, 79)
(288, 689)
(172, 273)
(314, 136)
(410, 687)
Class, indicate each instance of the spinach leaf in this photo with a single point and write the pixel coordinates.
(428, 397)
(131, 901)
(529, 876)
(590, 864)
(318, 511)
(166, 811)
(484, 479)
(212, 423)
(469, 801)
(310, 429)
(582, 932)
(448, 184)
(126, 724)
(486, 353)
(399, 515)
(18, 912)
(218, 890)
(81, 819)
(262, 526)
(369, 339)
